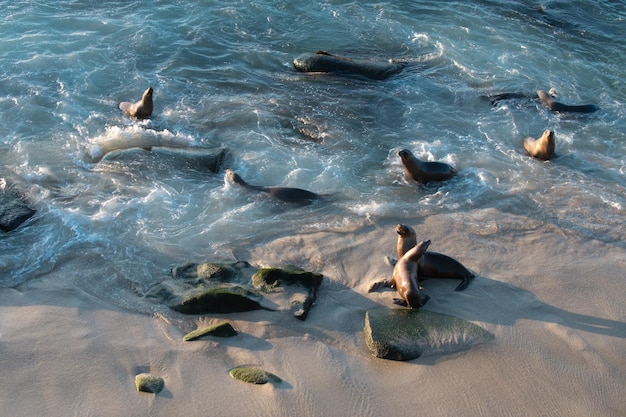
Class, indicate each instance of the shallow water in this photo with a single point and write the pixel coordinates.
(223, 77)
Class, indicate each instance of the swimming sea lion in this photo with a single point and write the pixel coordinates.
(432, 264)
(322, 61)
(287, 194)
(425, 171)
(541, 148)
(405, 277)
(141, 109)
(547, 100)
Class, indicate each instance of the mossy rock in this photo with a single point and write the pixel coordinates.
(268, 278)
(405, 334)
(253, 375)
(149, 383)
(230, 299)
(210, 271)
(222, 329)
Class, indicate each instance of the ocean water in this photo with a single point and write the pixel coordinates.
(223, 77)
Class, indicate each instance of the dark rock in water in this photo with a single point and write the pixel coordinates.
(222, 329)
(231, 299)
(13, 211)
(253, 375)
(405, 334)
(196, 159)
(211, 271)
(270, 278)
(149, 383)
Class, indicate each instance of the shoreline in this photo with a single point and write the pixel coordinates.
(558, 347)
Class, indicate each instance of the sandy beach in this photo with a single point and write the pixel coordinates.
(554, 303)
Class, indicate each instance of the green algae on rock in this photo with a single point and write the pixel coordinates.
(253, 375)
(149, 383)
(222, 329)
(211, 271)
(405, 334)
(228, 299)
(268, 279)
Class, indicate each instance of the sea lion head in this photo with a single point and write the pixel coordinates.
(404, 231)
(147, 94)
(405, 154)
(233, 177)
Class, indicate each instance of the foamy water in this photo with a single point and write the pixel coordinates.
(222, 76)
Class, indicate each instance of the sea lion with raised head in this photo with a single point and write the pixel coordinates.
(542, 147)
(424, 172)
(322, 61)
(141, 109)
(432, 264)
(405, 277)
(548, 101)
(287, 194)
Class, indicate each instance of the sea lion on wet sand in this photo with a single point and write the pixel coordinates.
(141, 109)
(287, 194)
(322, 61)
(432, 264)
(424, 172)
(548, 101)
(542, 147)
(405, 277)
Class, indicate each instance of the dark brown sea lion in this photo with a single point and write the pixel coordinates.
(542, 147)
(287, 194)
(141, 109)
(405, 277)
(322, 61)
(432, 264)
(548, 101)
(424, 172)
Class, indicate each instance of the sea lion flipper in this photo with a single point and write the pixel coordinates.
(400, 302)
(391, 261)
(380, 284)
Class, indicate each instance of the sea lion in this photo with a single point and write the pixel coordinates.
(322, 61)
(542, 147)
(424, 172)
(169, 160)
(548, 101)
(141, 109)
(287, 194)
(405, 277)
(432, 264)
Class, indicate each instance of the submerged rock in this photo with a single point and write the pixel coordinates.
(405, 334)
(230, 299)
(222, 329)
(212, 271)
(149, 383)
(13, 211)
(253, 375)
(166, 158)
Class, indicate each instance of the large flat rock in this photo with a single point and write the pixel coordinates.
(405, 334)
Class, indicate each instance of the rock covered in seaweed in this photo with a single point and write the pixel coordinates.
(223, 299)
(253, 375)
(149, 383)
(271, 278)
(221, 329)
(405, 334)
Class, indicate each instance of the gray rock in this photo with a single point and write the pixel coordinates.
(405, 334)
(13, 211)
